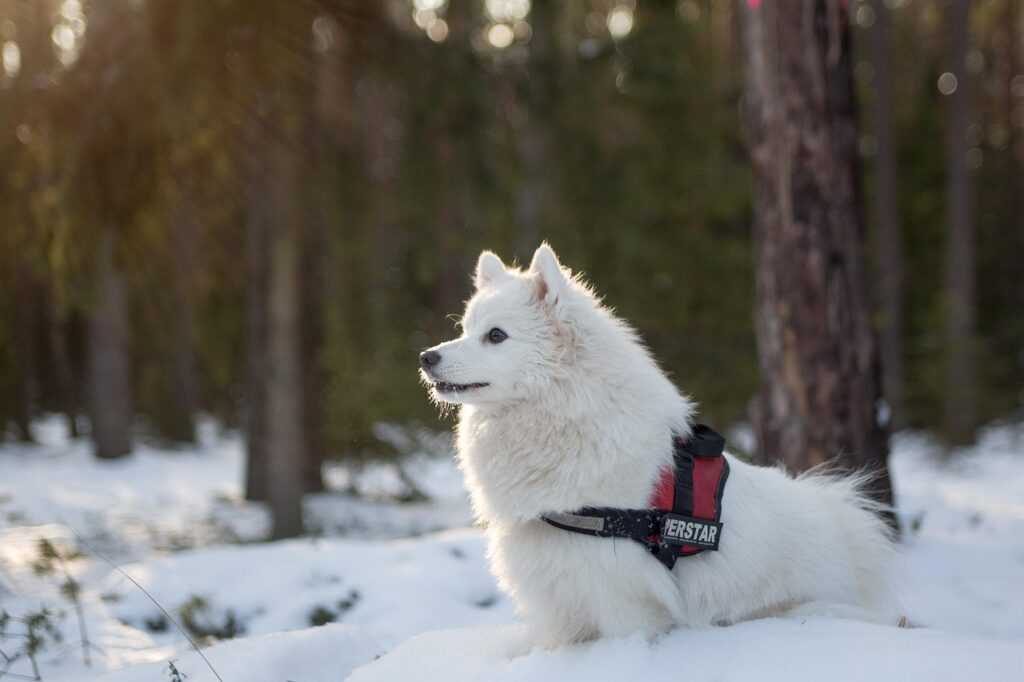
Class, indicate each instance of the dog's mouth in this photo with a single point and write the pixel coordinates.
(449, 387)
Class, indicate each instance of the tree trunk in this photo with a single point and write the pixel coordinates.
(960, 313)
(458, 121)
(26, 306)
(278, 466)
(110, 387)
(285, 434)
(1009, 66)
(538, 94)
(26, 102)
(257, 484)
(67, 387)
(179, 418)
(1015, 46)
(816, 348)
(889, 235)
(314, 381)
(328, 130)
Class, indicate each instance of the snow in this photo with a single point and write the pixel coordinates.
(180, 499)
(324, 654)
(963, 570)
(409, 589)
(768, 649)
(390, 589)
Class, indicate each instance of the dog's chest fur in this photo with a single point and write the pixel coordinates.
(520, 463)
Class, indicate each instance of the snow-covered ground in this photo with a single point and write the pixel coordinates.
(411, 601)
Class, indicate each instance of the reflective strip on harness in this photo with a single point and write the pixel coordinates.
(594, 524)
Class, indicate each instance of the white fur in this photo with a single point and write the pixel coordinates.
(576, 412)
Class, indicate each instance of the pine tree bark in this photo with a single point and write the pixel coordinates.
(110, 386)
(257, 483)
(27, 103)
(961, 381)
(328, 131)
(537, 100)
(313, 329)
(275, 438)
(1015, 110)
(889, 235)
(286, 438)
(178, 422)
(26, 306)
(278, 113)
(64, 373)
(817, 351)
(457, 119)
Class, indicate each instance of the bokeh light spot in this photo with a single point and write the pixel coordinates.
(688, 10)
(429, 5)
(947, 83)
(11, 58)
(438, 30)
(865, 16)
(509, 11)
(63, 37)
(620, 22)
(500, 36)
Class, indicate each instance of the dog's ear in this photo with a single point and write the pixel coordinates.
(489, 268)
(552, 281)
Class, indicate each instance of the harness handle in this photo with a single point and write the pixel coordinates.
(703, 442)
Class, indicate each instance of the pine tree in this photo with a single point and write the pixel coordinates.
(818, 355)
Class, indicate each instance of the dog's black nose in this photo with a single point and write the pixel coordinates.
(429, 358)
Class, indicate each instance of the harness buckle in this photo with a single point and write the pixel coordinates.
(664, 553)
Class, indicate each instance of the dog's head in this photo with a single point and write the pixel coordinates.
(515, 337)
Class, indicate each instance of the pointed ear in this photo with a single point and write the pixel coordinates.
(551, 278)
(489, 268)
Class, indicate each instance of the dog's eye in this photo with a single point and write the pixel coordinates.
(496, 336)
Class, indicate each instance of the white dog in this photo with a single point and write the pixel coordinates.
(562, 407)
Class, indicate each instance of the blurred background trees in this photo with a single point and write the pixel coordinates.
(261, 211)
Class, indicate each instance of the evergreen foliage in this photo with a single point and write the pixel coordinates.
(625, 152)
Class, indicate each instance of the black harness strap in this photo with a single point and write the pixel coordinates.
(607, 522)
(684, 483)
(641, 525)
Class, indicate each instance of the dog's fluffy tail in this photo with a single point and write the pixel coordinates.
(865, 523)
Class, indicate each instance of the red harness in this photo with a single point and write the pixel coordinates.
(686, 504)
(694, 487)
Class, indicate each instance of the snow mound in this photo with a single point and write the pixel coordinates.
(325, 654)
(391, 590)
(766, 650)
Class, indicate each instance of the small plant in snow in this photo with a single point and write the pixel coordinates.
(55, 562)
(157, 624)
(23, 638)
(174, 674)
(198, 618)
(322, 615)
